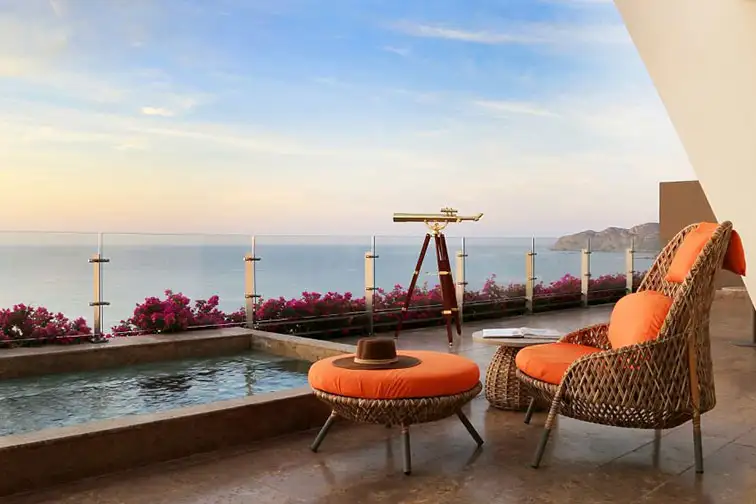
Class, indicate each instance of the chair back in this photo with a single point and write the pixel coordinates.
(692, 298)
(691, 306)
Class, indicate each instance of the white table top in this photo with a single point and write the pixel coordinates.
(516, 341)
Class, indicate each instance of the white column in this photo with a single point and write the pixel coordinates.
(701, 56)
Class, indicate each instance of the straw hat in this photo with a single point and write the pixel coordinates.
(376, 353)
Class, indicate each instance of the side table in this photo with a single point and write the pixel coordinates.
(503, 390)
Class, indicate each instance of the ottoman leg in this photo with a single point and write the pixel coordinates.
(406, 449)
(470, 428)
(323, 431)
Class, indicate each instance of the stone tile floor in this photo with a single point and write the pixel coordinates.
(584, 463)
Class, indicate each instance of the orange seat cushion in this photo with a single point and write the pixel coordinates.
(691, 247)
(439, 374)
(550, 361)
(637, 318)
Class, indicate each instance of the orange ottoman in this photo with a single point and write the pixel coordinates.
(435, 388)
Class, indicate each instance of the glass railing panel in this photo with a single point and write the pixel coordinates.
(608, 276)
(397, 260)
(312, 286)
(398, 257)
(180, 281)
(49, 271)
(495, 272)
(642, 262)
(558, 274)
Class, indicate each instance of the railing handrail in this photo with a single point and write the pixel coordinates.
(415, 235)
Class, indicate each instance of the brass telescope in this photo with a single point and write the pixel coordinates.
(447, 215)
(436, 224)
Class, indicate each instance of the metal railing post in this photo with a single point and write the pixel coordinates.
(530, 277)
(370, 287)
(630, 268)
(461, 281)
(97, 261)
(250, 286)
(585, 274)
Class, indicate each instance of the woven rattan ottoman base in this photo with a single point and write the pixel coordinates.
(400, 412)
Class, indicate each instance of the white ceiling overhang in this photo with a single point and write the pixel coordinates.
(701, 56)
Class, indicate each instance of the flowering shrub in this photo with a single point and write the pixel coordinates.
(313, 314)
(25, 325)
(341, 314)
(567, 290)
(492, 290)
(175, 313)
(609, 288)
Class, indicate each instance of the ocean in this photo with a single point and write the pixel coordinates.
(52, 269)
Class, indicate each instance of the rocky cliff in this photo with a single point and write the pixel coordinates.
(613, 239)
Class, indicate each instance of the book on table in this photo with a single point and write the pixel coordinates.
(521, 332)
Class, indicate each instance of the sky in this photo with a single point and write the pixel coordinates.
(326, 116)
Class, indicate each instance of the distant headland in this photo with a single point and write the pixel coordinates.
(613, 239)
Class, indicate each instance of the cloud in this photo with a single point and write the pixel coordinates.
(174, 103)
(624, 115)
(522, 34)
(330, 81)
(514, 107)
(33, 128)
(515, 158)
(431, 133)
(12, 66)
(157, 111)
(401, 51)
(625, 120)
(37, 44)
(72, 110)
(416, 96)
(137, 145)
(59, 7)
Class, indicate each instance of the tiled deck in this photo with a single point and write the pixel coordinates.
(584, 463)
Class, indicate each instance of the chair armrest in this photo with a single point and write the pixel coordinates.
(632, 376)
(593, 336)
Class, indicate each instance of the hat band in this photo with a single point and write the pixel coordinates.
(375, 361)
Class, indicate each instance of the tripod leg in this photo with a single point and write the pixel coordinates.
(443, 273)
(412, 284)
(450, 287)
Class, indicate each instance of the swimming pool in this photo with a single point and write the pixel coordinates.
(31, 404)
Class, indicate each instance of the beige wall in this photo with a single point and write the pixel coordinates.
(682, 203)
(701, 57)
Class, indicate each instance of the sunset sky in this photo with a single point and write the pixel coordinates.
(305, 116)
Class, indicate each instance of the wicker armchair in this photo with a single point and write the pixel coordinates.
(659, 384)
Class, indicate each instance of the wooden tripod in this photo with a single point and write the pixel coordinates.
(448, 293)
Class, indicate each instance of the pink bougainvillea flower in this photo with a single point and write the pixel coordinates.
(312, 314)
(29, 325)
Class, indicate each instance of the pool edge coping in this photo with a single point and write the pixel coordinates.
(95, 427)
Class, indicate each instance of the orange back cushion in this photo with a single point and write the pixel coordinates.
(637, 318)
(689, 251)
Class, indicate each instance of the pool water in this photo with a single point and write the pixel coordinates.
(30, 404)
